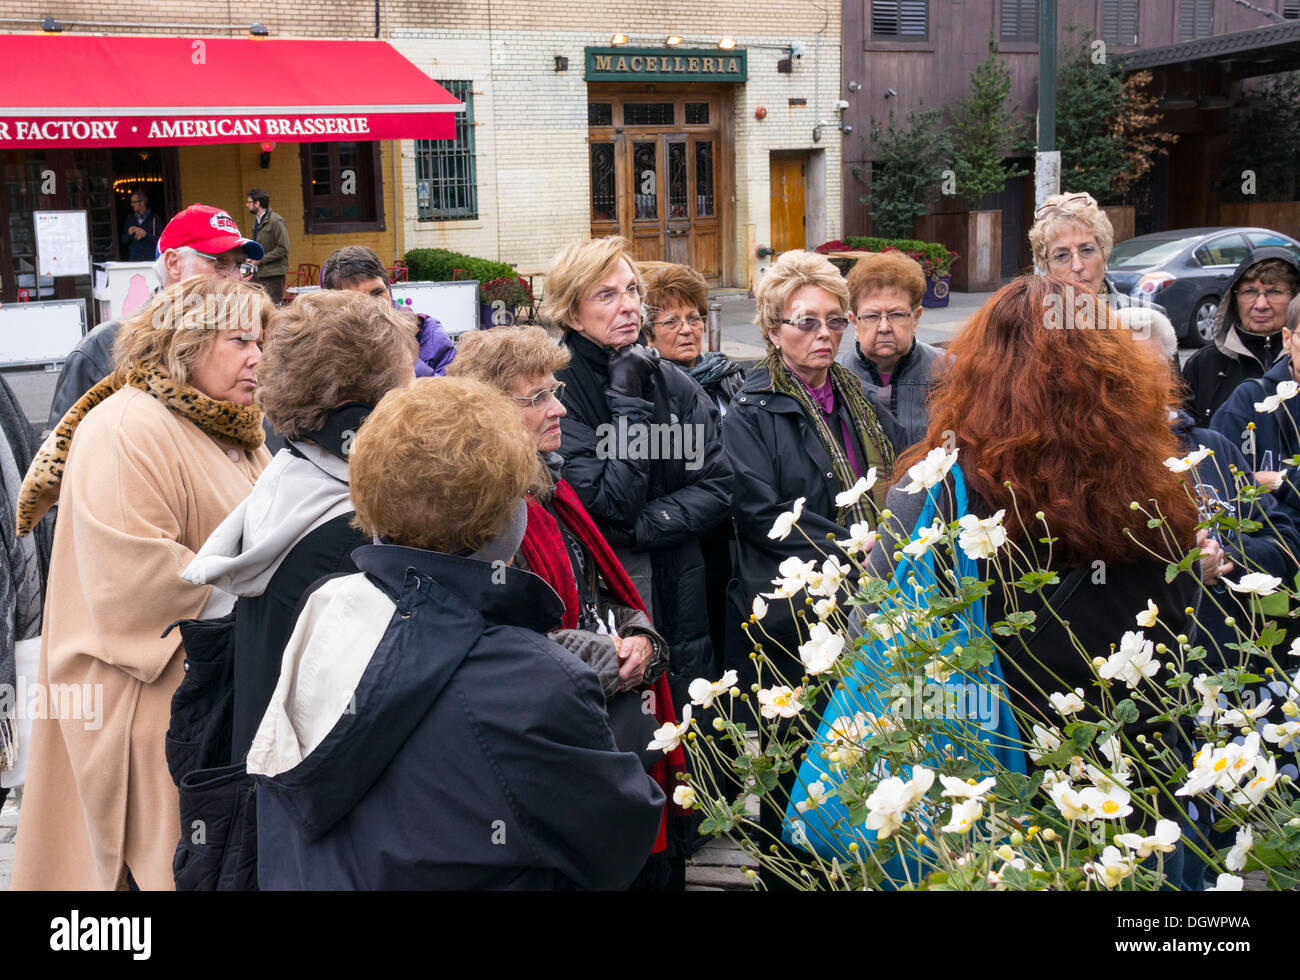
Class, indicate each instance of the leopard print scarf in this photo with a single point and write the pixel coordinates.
(40, 489)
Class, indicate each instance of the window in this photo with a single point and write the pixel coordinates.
(697, 113)
(446, 180)
(1227, 250)
(1291, 9)
(342, 188)
(1119, 22)
(1195, 19)
(648, 113)
(1019, 20)
(600, 114)
(900, 20)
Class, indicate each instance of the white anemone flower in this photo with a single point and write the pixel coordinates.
(1255, 583)
(684, 797)
(1071, 803)
(824, 608)
(1134, 660)
(759, 608)
(669, 736)
(982, 538)
(1164, 840)
(1108, 802)
(1258, 785)
(784, 524)
(1112, 868)
(779, 701)
(893, 797)
(860, 538)
(918, 785)
(963, 816)
(1066, 704)
(959, 788)
(1236, 859)
(1148, 619)
(931, 470)
(1285, 736)
(926, 538)
(821, 651)
(1246, 717)
(1286, 390)
(1208, 688)
(817, 795)
(833, 575)
(1187, 462)
(854, 493)
(1227, 883)
(1045, 742)
(704, 692)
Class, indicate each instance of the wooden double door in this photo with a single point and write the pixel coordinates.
(656, 177)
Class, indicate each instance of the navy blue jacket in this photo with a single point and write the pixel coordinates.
(475, 754)
(1276, 432)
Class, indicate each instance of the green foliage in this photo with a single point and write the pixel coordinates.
(908, 169)
(1265, 139)
(935, 258)
(440, 265)
(1089, 101)
(984, 126)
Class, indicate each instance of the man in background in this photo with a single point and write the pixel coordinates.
(269, 231)
(140, 235)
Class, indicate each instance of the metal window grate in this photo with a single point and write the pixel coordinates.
(900, 20)
(1291, 9)
(1119, 21)
(1019, 20)
(1195, 19)
(445, 173)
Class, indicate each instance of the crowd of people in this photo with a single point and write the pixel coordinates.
(444, 636)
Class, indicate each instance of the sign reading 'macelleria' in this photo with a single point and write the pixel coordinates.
(663, 64)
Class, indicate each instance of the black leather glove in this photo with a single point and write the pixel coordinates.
(630, 368)
(619, 537)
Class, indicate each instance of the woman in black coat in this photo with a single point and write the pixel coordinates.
(640, 446)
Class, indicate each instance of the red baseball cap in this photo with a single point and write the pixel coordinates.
(206, 229)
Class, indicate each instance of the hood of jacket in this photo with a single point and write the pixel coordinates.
(1226, 320)
(368, 658)
(293, 497)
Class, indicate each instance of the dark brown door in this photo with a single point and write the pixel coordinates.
(646, 181)
(787, 176)
(677, 216)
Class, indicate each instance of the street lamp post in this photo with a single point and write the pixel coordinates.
(1047, 161)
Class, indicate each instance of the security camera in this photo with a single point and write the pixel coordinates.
(842, 104)
(796, 50)
(846, 129)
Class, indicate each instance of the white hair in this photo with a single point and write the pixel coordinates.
(1149, 324)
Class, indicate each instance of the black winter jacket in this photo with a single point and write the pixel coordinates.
(652, 511)
(473, 754)
(777, 458)
(904, 414)
(1215, 371)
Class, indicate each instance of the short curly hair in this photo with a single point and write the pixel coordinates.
(576, 271)
(181, 323)
(327, 348)
(440, 464)
(503, 355)
(672, 284)
(1269, 271)
(886, 270)
(788, 274)
(1063, 209)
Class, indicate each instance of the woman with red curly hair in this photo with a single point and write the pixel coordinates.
(1062, 423)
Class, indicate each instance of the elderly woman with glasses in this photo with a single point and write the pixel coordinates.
(676, 307)
(897, 371)
(640, 446)
(1072, 238)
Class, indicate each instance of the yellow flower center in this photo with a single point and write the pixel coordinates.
(1110, 806)
(781, 699)
(1221, 765)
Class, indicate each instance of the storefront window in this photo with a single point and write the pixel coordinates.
(646, 175)
(678, 200)
(341, 187)
(602, 182)
(704, 179)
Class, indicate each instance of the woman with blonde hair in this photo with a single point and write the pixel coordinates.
(144, 467)
(1072, 238)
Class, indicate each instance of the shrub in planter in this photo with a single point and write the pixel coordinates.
(440, 265)
(934, 258)
(501, 298)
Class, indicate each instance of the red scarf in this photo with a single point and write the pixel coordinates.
(548, 558)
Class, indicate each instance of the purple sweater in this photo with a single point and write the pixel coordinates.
(436, 348)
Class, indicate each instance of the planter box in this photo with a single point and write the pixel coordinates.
(936, 292)
(976, 237)
(1122, 220)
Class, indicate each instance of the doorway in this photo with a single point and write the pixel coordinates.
(789, 214)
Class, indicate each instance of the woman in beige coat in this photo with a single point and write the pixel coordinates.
(143, 467)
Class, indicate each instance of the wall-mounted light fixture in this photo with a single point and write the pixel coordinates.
(617, 40)
(855, 86)
(726, 43)
(267, 147)
(673, 40)
(561, 63)
(51, 26)
(258, 30)
(890, 93)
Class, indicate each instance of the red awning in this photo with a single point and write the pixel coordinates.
(78, 90)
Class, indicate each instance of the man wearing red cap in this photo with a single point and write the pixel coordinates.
(199, 241)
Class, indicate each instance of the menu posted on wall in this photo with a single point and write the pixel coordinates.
(62, 243)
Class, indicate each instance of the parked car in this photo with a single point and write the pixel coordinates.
(1186, 270)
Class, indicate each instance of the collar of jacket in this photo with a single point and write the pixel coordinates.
(500, 593)
(899, 368)
(240, 424)
(758, 390)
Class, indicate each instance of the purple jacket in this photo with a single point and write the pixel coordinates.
(436, 348)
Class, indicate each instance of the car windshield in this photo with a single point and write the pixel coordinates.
(1138, 254)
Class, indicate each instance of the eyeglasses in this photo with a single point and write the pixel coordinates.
(542, 398)
(809, 324)
(1252, 296)
(1047, 209)
(224, 264)
(895, 318)
(606, 297)
(694, 321)
(1062, 256)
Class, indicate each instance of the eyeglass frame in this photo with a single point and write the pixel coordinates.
(694, 321)
(847, 317)
(1252, 300)
(873, 319)
(525, 401)
(244, 273)
(1047, 209)
(1076, 251)
(636, 290)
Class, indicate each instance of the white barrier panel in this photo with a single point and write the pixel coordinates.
(40, 333)
(453, 304)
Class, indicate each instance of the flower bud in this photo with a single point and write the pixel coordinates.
(1050, 835)
(1229, 620)
(1017, 838)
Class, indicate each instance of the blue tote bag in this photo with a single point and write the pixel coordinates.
(984, 714)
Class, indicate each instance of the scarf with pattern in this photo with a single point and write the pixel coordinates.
(40, 490)
(848, 392)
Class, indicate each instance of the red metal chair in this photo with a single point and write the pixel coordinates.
(24, 296)
(399, 273)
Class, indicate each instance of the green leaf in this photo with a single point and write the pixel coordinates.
(1034, 581)
(1081, 733)
(1126, 712)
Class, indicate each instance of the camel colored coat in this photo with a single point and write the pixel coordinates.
(142, 490)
